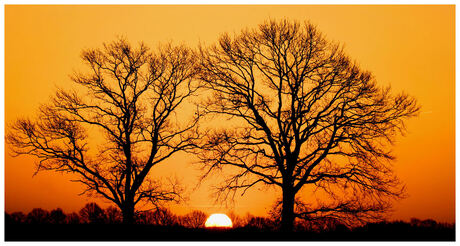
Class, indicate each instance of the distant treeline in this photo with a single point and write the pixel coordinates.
(93, 223)
(92, 213)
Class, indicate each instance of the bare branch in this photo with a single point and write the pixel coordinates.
(131, 99)
(309, 116)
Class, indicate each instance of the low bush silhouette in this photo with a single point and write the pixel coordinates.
(194, 219)
(57, 216)
(38, 216)
(93, 214)
(73, 218)
(113, 215)
(18, 217)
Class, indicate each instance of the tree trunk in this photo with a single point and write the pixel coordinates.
(128, 214)
(287, 214)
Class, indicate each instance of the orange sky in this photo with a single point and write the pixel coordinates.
(412, 48)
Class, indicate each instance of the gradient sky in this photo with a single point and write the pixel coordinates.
(411, 48)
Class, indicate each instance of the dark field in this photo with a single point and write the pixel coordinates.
(394, 231)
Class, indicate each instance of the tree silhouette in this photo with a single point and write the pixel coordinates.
(260, 224)
(305, 116)
(57, 216)
(91, 213)
(163, 217)
(18, 217)
(113, 215)
(194, 219)
(38, 216)
(120, 122)
(72, 218)
(159, 217)
(237, 221)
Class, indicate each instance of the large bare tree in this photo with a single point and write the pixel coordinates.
(304, 115)
(120, 121)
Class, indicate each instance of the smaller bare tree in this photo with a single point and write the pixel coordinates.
(18, 217)
(163, 217)
(57, 216)
(91, 213)
(114, 215)
(73, 218)
(38, 216)
(194, 219)
(129, 100)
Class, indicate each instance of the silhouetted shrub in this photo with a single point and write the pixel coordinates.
(18, 217)
(164, 217)
(92, 213)
(237, 221)
(159, 217)
(38, 216)
(194, 219)
(261, 223)
(57, 216)
(244, 220)
(429, 223)
(72, 218)
(113, 215)
(415, 222)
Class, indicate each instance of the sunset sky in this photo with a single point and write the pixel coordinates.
(411, 48)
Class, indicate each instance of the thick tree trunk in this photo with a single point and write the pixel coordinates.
(128, 214)
(287, 214)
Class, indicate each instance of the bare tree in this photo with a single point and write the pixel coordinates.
(237, 221)
(57, 216)
(38, 216)
(118, 123)
(91, 213)
(159, 217)
(194, 219)
(18, 217)
(261, 223)
(113, 215)
(304, 116)
(73, 218)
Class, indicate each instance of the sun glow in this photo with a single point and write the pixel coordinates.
(218, 220)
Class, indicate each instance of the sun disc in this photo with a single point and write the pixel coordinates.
(218, 220)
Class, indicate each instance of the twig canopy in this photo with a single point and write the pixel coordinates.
(130, 97)
(307, 116)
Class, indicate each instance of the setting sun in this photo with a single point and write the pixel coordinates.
(218, 220)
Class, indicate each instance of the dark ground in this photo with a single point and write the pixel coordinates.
(114, 232)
